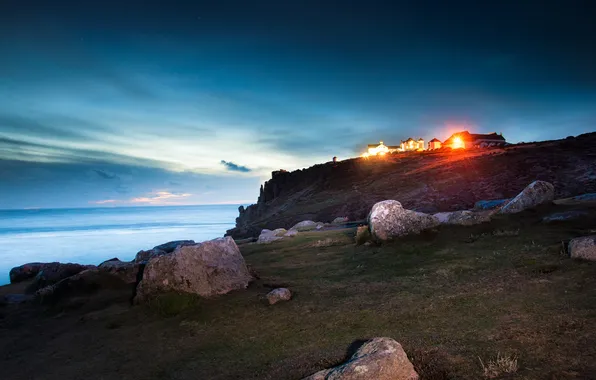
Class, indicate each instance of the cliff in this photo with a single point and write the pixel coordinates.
(430, 181)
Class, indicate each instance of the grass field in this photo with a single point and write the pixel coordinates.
(457, 299)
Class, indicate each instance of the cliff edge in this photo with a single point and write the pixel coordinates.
(430, 181)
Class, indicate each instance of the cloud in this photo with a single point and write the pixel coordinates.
(105, 175)
(235, 167)
(106, 201)
(160, 197)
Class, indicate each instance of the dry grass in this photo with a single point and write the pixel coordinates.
(446, 299)
(500, 365)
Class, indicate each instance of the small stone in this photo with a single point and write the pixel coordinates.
(583, 248)
(278, 295)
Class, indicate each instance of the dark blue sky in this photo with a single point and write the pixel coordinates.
(135, 103)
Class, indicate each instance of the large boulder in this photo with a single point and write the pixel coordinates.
(24, 272)
(278, 295)
(464, 217)
(207, 269)
(583, 248)
(52, 273)
(305, 225)
(127, 271)
(378, 359)
(536, 193)
(389, 220)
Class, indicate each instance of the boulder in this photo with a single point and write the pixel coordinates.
(268, 236)
(278, 295)
(583, 248)
(24, 272)
(564, 216)
(378, 359)
(362, 235)
(171, 246)
(389, 220)
(207, 269)
(145, 256)
(536, 193)
(491, 204)
(127, 271)
(340, 220)
(291, 233)
(464, 217)
(52, 273)
(305, 225)
(319, 226)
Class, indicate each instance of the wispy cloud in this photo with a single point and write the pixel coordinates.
(160, 197)
(106, 201)
(235, 167)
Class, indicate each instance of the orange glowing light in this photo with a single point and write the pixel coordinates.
(458, 143)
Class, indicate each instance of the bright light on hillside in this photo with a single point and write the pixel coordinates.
(458, 143)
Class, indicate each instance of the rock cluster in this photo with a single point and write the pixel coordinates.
(378, 359)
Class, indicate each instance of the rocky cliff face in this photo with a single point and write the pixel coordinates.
(431, 181)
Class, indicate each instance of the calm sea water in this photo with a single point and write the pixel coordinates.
(92, 235)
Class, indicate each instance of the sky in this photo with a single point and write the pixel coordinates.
(134, 103)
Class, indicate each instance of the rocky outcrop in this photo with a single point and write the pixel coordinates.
(378, 359)
(535, 194)
(583, 248)
(52, 273)
(207, 269)
(126, 271)
(426, 181)
(160, 250)
(279, 295)
(388, 220)
(464, 217)
(291, 233)
(24, 272)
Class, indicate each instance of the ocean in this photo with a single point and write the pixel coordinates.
(92, 235)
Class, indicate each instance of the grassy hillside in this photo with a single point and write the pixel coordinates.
(450, 297)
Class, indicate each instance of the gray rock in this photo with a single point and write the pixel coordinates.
(207, 269)
(583, 248)
(377, 359)
(464, 217)
(389, 220)
(491, 204)
(268, 236)
(24, 272)
(305, 225)
(127, 271)
(171, 246)
(340, 220)
(291, 233)
(536, 193)
(145, 256)
(278, 295)
(563, 216)
(51, 273)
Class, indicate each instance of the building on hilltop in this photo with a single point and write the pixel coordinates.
(381, 148)
(410, 145)
(434, 144)
(468, 140)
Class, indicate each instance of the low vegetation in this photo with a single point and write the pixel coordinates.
(507, 303)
